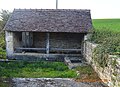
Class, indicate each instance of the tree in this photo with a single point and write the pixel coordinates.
(4, 14)
(0, 25)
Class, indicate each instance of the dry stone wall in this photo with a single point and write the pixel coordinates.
(110, 75)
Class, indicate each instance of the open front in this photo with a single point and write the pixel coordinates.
(48, 43)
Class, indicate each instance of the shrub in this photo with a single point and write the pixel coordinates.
(98, 35)
(109, 43)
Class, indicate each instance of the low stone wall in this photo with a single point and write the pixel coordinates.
(110, 74)
(39, 57)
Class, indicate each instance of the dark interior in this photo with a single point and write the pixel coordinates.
(50, 43)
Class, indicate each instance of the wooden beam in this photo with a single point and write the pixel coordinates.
(31, 49)
(60, 49)
(52, 49)
(47, 43)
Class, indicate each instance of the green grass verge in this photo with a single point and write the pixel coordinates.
(35, 69)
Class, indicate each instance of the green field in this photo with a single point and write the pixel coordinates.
(112, 24)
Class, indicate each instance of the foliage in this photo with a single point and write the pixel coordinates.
(2, 40)
(35, 69)
(4, 15)
(100, 56)
(110, 45)
(99, 35)
(2, 46)
(2, 54)
(108, 37)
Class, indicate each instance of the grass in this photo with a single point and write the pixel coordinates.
(35, 69)
(112, 24)
(87, 74)
(45, 69)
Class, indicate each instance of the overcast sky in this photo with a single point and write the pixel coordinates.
(99, 8)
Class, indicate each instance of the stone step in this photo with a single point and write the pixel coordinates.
(74, 62)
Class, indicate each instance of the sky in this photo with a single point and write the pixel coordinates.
(99, 8)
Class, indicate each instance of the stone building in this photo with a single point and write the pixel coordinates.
(46, 33)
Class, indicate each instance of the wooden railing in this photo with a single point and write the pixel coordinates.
(50, 49)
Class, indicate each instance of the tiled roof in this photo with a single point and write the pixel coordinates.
(50, 20)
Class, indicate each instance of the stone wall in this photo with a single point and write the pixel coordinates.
(58, 40)
(39, 40)
(66, 40)
(9, 44)
(110, 75)
(17, 40)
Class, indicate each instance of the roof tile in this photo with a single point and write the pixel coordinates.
(50, 20)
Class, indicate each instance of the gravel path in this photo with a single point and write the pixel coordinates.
(52, 82)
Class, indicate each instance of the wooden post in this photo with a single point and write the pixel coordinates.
(56, 4)
(23, 39)
(47, 43)
(27, 39)
(31, 39)
(84, 45)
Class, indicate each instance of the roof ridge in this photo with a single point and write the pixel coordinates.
(52, 10)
